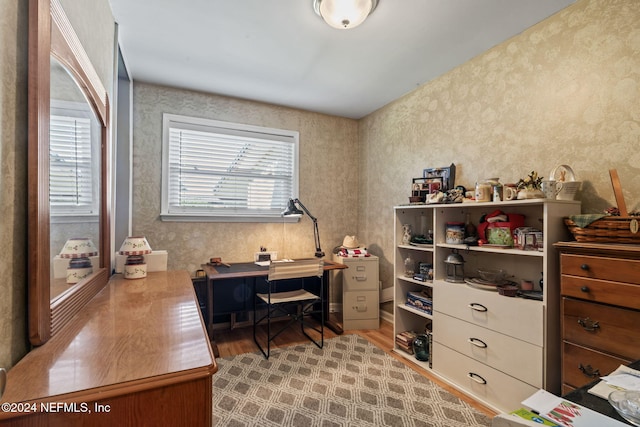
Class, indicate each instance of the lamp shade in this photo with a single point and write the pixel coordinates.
(292, 209)
(135, 245)
(78, 247)
(344, 14)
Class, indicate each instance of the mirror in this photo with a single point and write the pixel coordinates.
(62, 79)
(74, 159)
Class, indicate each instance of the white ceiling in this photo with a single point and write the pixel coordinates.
(281, 52)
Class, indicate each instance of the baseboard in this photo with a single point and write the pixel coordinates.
(386, 316)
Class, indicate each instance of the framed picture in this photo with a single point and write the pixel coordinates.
(423, 186)
(445, 176)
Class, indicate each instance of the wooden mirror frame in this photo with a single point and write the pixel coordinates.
(51, 34)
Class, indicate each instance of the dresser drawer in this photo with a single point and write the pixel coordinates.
(614, 269)
(516, 317)
(596, 290)
(517, 358)
(486, 384)
(602, 327)
(581, 365)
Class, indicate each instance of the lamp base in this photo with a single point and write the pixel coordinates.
(134, 271)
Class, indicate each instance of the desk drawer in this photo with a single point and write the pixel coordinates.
(512, 356)
(615, 331)
(581, 365)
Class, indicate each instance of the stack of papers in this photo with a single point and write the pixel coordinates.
(566, 413)
(623, 378)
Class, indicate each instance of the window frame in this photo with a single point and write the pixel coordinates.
(191, 214)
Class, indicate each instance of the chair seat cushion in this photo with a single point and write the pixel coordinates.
(290, 296)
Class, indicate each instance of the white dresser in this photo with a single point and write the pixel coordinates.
(360, 292)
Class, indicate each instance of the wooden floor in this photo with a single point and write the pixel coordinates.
(240, 340)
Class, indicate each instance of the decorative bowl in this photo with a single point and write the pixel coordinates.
(508, 290)
(493, 276)
(627, 403)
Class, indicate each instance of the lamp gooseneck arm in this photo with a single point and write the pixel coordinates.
(316, 234)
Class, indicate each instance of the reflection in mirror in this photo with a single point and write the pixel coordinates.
(74, 178)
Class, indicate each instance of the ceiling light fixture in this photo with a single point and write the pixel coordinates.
(344, 14)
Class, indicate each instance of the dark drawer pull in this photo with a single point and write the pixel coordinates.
(588, 324)
(584, 289)
(477, 342)
(477, 378)
(589, 371)
(584, 267)
(478, 307)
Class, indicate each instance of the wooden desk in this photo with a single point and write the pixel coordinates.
(240, 278)
(138, 350)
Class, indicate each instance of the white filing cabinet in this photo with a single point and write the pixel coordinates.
(360, 292)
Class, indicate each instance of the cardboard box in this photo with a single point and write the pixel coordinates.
(419, 301)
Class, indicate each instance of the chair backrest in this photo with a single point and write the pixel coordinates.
(279, 270)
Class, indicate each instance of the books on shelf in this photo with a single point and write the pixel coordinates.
(404, 341)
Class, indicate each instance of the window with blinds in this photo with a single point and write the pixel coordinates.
(72, 190)
(222, 171)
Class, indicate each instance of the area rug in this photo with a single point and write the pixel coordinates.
(350, 382)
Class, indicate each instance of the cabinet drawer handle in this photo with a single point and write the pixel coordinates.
(588, 324)
(477, 378)
(584, 267)
(584, 289)
(360, 278)
(477, 342)
(478, 307)
(589, 371)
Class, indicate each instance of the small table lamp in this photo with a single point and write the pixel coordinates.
(78, 250)
(135, 247)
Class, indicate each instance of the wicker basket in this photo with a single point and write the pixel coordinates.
(613, 229)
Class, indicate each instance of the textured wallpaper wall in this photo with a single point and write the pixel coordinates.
(566, 91)
(13, 181)
(328, 180)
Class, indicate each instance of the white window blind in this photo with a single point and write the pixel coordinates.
(71, 187)
(226, 171)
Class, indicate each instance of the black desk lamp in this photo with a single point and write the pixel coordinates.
(292, 210)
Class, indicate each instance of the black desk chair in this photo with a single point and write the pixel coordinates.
(280, 297)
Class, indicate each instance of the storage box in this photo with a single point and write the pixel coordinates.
(528, 239)
(420, 301)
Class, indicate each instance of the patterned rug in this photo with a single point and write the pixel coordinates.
(350, 382)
